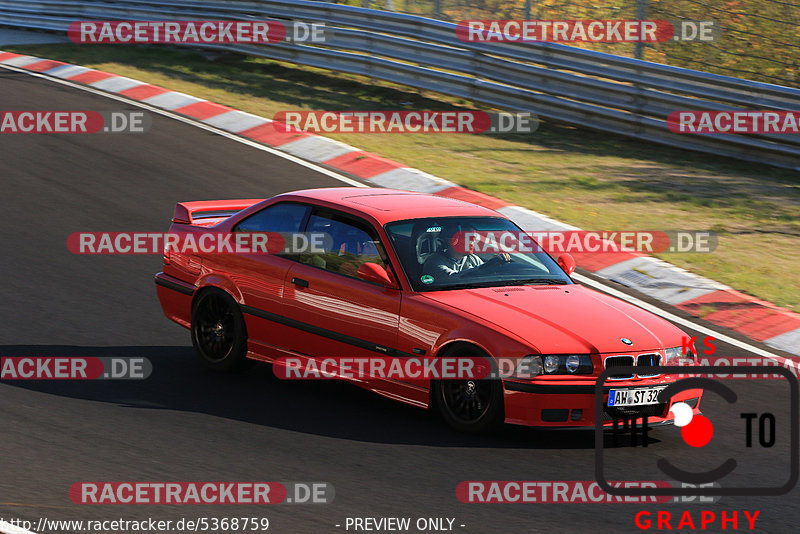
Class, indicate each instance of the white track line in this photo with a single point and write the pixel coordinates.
(583, 279)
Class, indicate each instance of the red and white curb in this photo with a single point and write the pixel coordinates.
(714, 302)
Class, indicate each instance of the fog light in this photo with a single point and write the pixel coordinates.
(576, 415)
(550, 364)
(573, 362)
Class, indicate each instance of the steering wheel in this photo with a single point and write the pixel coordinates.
(491, 266)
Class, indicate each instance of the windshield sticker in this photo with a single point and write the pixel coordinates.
(426, 279)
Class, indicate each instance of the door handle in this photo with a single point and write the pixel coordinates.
(300, 282)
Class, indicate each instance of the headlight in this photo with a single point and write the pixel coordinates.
(555, 364)
(672, 354)
(551, 364)
(529, 367)
(573, 362)
(675, 356)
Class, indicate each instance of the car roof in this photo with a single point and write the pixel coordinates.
(387, 205)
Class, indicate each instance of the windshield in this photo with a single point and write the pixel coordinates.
(439, 253)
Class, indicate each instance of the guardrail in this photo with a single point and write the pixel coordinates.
(562, 83)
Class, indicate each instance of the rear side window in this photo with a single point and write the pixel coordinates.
(281, 217)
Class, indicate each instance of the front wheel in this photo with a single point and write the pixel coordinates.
(470, 405)
(219, 334)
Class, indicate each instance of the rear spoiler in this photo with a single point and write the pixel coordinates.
(189, 212)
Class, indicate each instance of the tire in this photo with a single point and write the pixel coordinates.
(219, 334)
(474, 406)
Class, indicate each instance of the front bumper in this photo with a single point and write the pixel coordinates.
(569, 405)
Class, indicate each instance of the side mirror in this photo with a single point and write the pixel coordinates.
(567, 262)
(372, 272)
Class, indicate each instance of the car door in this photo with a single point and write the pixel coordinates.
(335, 312)
(260, 276)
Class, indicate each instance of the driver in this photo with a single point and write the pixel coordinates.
(452, 259)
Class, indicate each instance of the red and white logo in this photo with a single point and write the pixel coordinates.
(181, 31)
(404, 122)
(734, 122)
(580, 241)
(558, 31)
(553, 491)
(73, 122)
(177, 493)
(192, 243)
(74, 368)
(383, 367)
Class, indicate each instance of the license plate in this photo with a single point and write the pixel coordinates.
(634, 397)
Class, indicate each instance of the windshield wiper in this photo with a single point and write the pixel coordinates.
(503, 283)
(541, 281)
(470, 285)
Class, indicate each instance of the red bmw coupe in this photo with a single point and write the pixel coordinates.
(386, 280)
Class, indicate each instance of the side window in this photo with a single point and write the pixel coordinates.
(281, 217)
(347, 245)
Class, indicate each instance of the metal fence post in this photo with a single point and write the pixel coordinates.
(641, 14)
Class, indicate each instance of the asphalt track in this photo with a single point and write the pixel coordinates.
(186, 424)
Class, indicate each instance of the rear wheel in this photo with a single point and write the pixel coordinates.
(470, 405)
(219, 334)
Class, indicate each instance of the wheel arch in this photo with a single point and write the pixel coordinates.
(215, 281)
(456, 345)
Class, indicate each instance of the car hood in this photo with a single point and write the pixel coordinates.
(565, 319)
